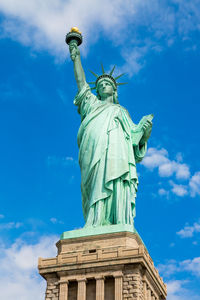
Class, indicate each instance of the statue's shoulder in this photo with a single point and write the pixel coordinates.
(123, 109)
(84, 94)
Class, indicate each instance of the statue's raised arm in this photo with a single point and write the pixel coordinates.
(74, 39)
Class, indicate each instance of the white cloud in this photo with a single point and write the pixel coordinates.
(43, 25)
(134, 60)
(174, 267)
(188, 231)
(53, 220)
(195, 184)
(159, 159)
(154, 158)
(182, 171)
(168, 269)
(192, 265)
(179, 189)
(10, 225)
(2, 216)
(18, 273)
(163, 192)
(178, 290)
(174, 286)
(167, 169)
(55, 161)
(179, 157)
(56, 221)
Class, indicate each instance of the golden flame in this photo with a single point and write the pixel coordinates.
(75, 29)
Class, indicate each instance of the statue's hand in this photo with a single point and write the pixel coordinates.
(147, 128)
(73, 49)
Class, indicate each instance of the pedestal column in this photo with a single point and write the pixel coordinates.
(81, 289)
(118, 287)
(148, 294)
(145, 290)
(63, 294)
(99, 288)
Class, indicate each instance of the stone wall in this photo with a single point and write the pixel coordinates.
(52, 290)
(132, 285)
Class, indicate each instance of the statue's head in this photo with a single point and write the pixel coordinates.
(106, 88)
(106, 85)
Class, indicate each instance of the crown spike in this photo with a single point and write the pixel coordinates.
(92, 82)
(111, 72)
(121, 83)
(103, 71)
(93, 88)
(94, 74)
(120, 76)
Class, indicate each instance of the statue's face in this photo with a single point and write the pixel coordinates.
(105, 89)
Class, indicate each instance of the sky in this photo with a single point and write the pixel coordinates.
(157, 44)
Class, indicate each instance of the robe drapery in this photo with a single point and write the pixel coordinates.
(107, 160)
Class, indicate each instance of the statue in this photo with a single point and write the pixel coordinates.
(110, 145)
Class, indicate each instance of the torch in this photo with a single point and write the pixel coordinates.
(74, 36)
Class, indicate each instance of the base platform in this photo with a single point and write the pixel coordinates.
(88, 231)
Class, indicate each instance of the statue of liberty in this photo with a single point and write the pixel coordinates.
(110, 145)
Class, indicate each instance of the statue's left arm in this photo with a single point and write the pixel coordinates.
(141, 147)
(139, 134)
(147, 128)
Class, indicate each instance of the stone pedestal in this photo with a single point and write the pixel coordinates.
(112, 266)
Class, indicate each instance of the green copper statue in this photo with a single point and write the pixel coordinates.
(110, 146)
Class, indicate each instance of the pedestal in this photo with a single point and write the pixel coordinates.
(111, 266)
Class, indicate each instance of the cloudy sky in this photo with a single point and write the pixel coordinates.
(157, 44)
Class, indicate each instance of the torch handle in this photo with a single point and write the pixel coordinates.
(73, 49)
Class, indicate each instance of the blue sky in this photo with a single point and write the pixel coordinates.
(157, 44)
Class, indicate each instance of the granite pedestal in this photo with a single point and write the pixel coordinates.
(103, 266)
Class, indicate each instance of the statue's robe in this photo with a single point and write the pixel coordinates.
(107, 160)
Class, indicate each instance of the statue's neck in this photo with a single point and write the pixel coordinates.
(108, 99)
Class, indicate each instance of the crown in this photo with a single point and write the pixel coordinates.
(108, 76)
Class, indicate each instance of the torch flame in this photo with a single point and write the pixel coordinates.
(75, 29)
